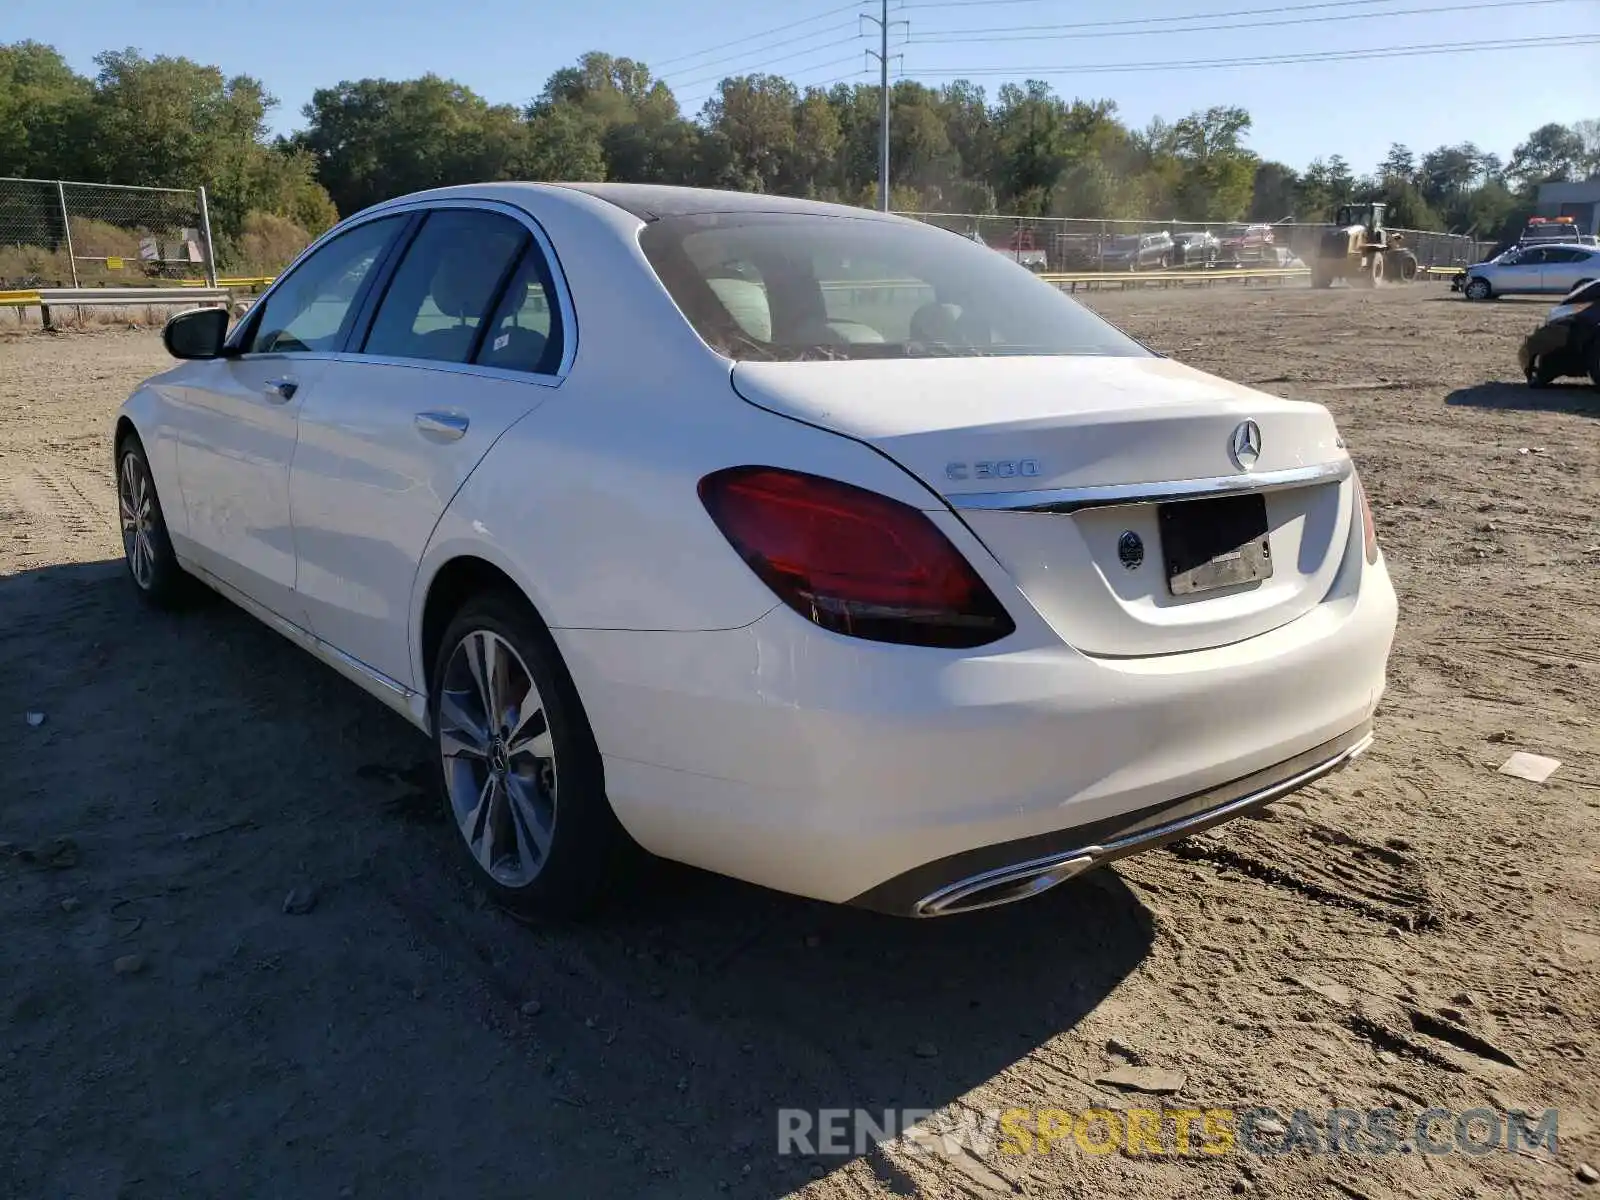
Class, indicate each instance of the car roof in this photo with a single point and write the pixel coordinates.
(1545, 244)
(650, 202)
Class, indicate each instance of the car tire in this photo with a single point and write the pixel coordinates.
(1594, 361)
(146, 546)
(1477, 289)
(1538, 373)
(524, 790)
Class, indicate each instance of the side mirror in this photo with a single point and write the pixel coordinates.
(198, 333)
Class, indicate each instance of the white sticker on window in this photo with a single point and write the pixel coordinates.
(501, 342)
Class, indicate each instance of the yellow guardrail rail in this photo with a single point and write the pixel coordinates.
(23, 299)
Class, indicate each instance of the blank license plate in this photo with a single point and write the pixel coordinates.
(1210, 544)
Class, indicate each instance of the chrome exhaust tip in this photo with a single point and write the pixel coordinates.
(1005, 886)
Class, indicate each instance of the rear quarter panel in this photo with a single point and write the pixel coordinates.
(590, 503)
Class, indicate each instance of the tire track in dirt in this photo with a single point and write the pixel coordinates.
(49, 503)
(1323, 864)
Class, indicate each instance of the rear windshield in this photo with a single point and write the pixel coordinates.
(787, 287)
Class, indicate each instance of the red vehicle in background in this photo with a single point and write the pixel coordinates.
(1248, 244)
(1019, 248)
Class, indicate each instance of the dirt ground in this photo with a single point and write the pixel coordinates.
(1418, 931)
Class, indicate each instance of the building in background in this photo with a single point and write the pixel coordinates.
(1580, 201)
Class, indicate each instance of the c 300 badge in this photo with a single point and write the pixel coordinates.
(999, 468)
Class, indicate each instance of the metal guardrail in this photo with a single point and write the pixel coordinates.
(1072, 281)
(44, 299)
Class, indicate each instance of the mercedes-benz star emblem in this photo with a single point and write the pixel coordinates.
(1130, 549)
(1246, 446)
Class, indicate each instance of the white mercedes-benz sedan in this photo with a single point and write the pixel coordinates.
(797, 542)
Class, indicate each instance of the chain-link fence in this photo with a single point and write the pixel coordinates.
(55, 233)
(1073, 244)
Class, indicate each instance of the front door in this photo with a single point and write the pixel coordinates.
(462, 345)
(1523, 275)
(238, 434)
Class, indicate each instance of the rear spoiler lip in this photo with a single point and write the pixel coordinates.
(1075, 499)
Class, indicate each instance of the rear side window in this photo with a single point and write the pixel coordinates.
(787, 287)
(525, 333)
(442, 293)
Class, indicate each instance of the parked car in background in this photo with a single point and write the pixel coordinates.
(1019, 248)
(1543, 231)
(798, 542)
(1196, 248)
(1079, 251)
(1531, 271)
(1248, 244)
(1139, 252)
(1568, 343)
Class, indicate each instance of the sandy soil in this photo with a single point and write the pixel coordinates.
(1401, 935)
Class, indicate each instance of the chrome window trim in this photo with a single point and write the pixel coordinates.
(405, 207)
(1066, 500)
(434, 364)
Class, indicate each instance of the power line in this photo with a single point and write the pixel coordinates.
(1416, 51)
(718, 76)
(745, 54)
(1208, 16)
(856, 5)
(1019, 33)
(699, 98)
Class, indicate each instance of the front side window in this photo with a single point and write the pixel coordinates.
(792, 287)
(312, 308)
(444, 288)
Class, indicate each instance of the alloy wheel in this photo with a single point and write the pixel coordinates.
(136, 507)
(499, 758)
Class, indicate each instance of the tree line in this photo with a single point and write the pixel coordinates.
(1025, 150)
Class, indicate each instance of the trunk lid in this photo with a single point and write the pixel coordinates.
(995, 436)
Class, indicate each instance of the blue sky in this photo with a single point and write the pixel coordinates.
(504, 49)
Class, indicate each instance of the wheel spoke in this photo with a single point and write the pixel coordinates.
(475, 823)
(459, 734)
(143, 556)
(532, 732)
(532, 834)
(483, 655)
(125, 509)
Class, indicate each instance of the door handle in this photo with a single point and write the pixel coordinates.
(447, 427)
(280, 390)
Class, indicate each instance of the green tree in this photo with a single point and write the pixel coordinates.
(752, 116)
(1275, 192)
(375, 138)
(44, 107)
(1399, 163)
(1552, 153)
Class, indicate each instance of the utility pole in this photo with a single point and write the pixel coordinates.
(882, 55)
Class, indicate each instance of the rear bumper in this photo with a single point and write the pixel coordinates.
(995, 875)
(837, 768)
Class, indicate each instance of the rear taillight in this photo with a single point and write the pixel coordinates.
(1369, 531)
(853, 561)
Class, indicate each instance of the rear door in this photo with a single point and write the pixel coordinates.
(1564, 267)
(466, 339)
